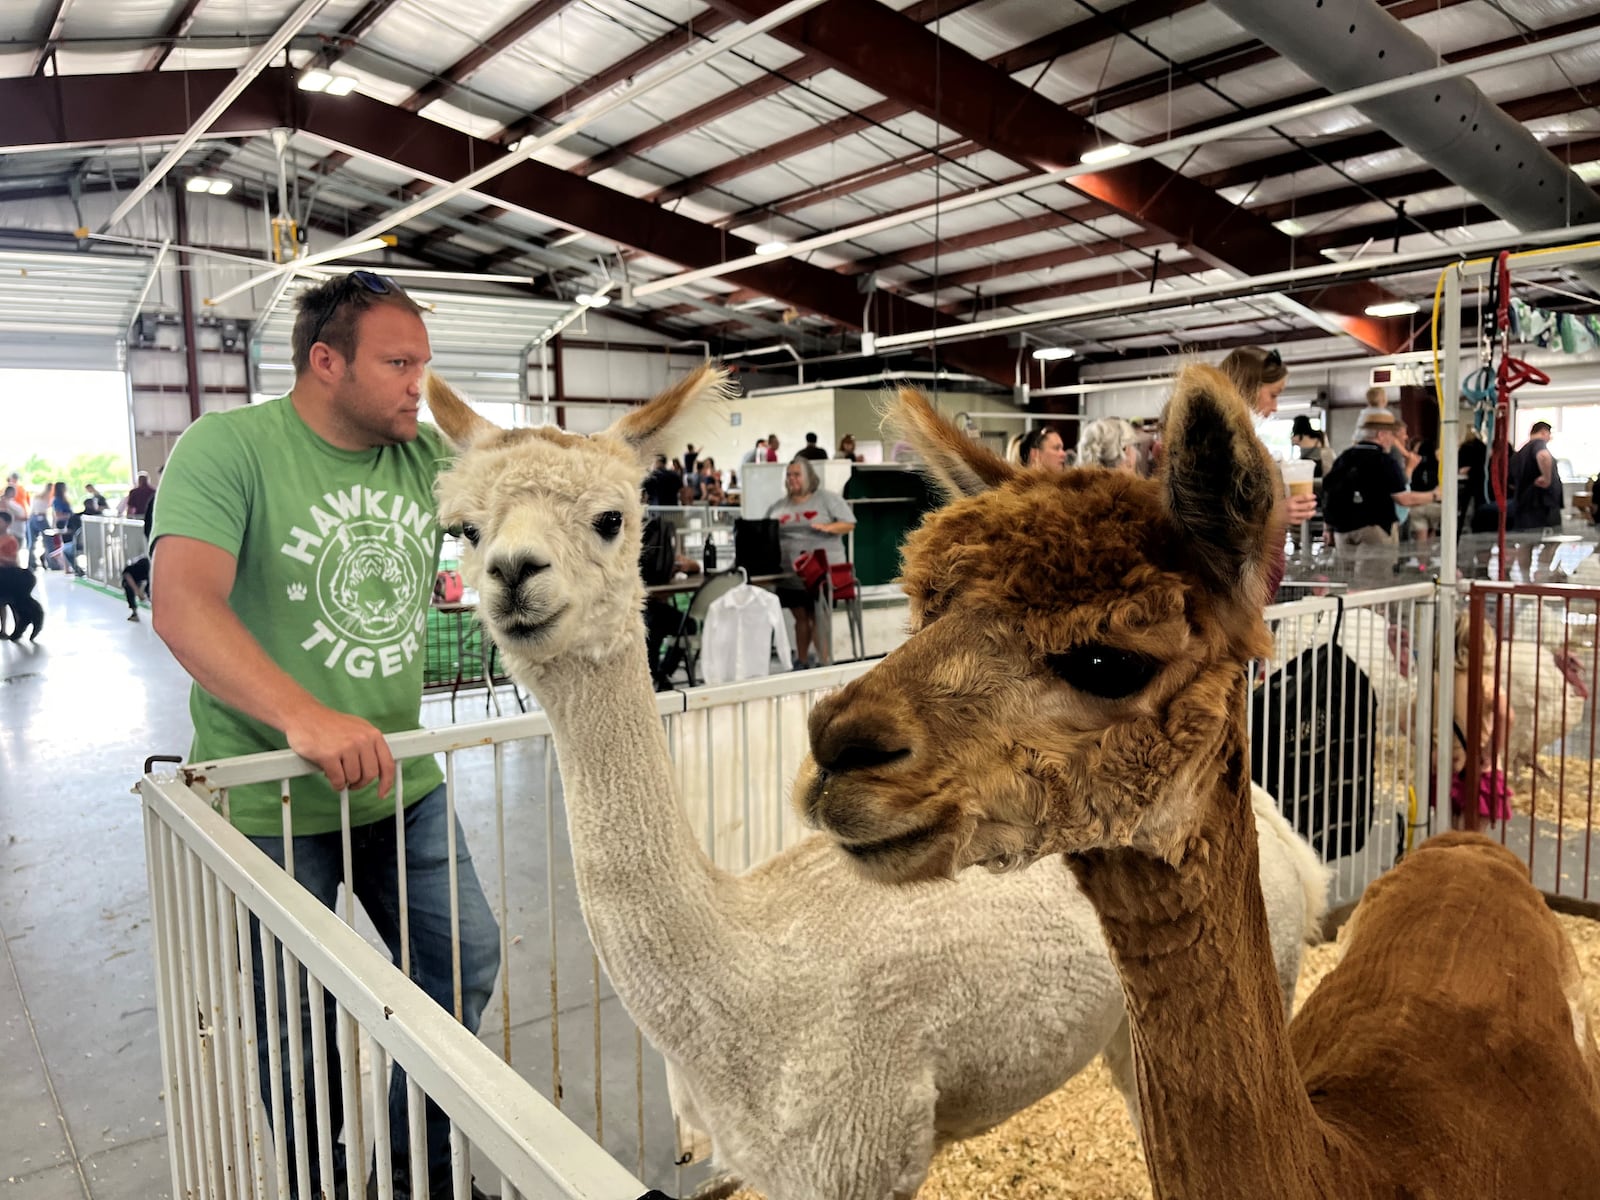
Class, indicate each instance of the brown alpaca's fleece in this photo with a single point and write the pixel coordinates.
(1076, 681)
(1415, 1010)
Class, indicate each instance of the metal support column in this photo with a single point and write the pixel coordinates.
(191, 334)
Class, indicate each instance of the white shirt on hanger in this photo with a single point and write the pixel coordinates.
(736, 642)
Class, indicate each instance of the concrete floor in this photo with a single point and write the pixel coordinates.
(81, 1107)
(80, 1063)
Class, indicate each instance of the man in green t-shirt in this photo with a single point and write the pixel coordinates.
(294, 552)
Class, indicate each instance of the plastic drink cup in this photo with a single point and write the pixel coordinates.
(1297, 476)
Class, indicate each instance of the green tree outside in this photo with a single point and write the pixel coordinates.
(107, 471)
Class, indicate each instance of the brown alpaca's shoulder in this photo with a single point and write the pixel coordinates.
(1452, 1006)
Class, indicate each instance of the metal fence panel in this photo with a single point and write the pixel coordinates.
(555, 1019)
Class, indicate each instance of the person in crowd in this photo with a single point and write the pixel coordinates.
(811, 449)
(16, 593)
(660, 563)
(24, 497)
(809, 518)
(94, 504)
(64, 523)
(1260, 375)
(133, 504)
(1477, 511)
(663, 487)
(1040, 446)
(1424, 477)
(1312, 444)
(711, 490)
(14, 508)
(1534, 485)
(758, 453)
(847, 448)
(298, 620)
(1360, 493)
(690, 456)
(772, 448)
(136, 575)
(38, 522)
(1109, 442)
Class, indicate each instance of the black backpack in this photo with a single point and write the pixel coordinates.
(756, 547)
(1344, 506)
(1313, 729)
(658, 556)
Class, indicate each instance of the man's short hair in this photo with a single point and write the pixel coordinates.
(330, 311)
(811, 439)
(1537, 426)
(1377, 396)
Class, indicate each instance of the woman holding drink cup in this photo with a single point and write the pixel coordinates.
(1260, 377)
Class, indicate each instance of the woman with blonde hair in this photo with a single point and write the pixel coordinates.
(1109, 442)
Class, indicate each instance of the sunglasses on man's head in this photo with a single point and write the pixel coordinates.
(378, 285)
(1273, 359)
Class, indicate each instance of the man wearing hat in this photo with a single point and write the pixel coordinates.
(1360, 491)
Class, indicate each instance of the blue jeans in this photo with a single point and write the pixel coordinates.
(36, 526)
(319, 867)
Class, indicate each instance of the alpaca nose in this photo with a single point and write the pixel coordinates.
(846, 744)
(514, 571)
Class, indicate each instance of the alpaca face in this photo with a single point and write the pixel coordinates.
(550, 531)
(1077, 641)
(551, 523)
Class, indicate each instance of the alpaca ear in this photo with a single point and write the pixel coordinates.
(642, 428)
(1219, 485)
(959, 465)
(456, 420)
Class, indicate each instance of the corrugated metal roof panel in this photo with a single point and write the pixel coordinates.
(81, 294)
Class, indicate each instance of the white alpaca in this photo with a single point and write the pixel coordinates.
(828, 1033)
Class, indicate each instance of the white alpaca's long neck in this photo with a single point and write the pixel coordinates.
(649, 894)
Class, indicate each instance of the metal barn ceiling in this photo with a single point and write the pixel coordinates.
(853, 111)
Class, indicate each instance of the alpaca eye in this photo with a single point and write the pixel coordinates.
(608, 524)
(470, 532)
(1104, 671)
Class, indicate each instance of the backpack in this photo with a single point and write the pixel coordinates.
(658, 555)
(1344, 506)
(756, 547)
(1313, 735)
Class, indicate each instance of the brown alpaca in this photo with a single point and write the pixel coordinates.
(1075, 683)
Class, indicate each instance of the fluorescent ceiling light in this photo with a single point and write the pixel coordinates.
(1394, 308)
(220, 187)
(1052, 353)
(341, 85)
(315, 80)
(593, 299)
(199, 183)
(773, 248)
(1102, 154)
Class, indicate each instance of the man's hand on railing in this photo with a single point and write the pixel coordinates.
(351, 752)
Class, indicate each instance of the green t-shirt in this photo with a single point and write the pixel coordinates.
(336, 555)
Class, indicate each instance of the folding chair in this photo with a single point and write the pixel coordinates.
(685, 643)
